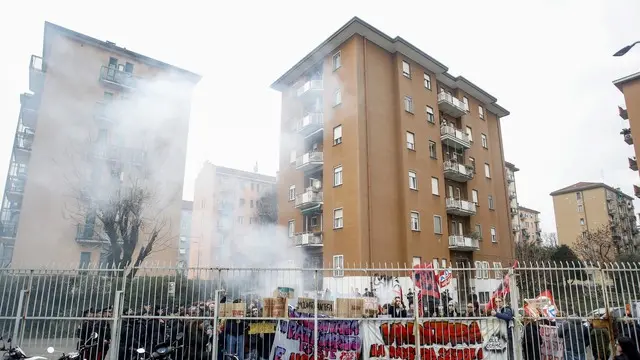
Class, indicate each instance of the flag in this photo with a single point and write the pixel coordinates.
(424, 278)
(503, 289)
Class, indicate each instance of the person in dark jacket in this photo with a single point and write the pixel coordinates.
(504, 313)
(576, 339)
(397, 310)
(626, 349)
(531, 341)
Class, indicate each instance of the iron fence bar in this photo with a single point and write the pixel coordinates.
(18, 317)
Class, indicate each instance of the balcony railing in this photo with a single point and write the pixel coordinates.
(86, 233)
(8, 230)
(450, 105)
(633, 164)
(308, 198)
(28, 110)
(460, 207)
(311, 86)
(118, 77)
(36, 74)
(512, 195)
(627, 136)
(307, 239)
(15, 188)
(451, 136)
(510, 178)
(309, 124)
(457, 172)
(459, 242)
(310, 161)
(623, 113)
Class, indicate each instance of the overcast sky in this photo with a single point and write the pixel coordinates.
(547, 61)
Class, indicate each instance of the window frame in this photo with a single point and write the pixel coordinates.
(337, 171)
(414, 185)
(481, 112)
(407, 72)
(485, 141)
(337, 140)
(338, 266)
(336, 64)
(414, 219)
(337, 97)
(431, 117)
(433, 154)
(291, 228)
(435, 191)
(474, 196)
(494, 235)
(427, 81)
(487, 171)
(411, 145)
(439, 223)
(292, 190)
(341, 218)
(408, 104)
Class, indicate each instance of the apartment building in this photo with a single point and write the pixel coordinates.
(588, 206)
(95, 122)
(388, 158)
(530, 229)
(185, 233)
(512, 192)
(225, 208)
(630, 88)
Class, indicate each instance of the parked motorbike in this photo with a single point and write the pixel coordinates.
(163, 351)
(75, 355)
(16, 353)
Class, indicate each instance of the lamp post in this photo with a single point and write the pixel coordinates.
(625, 49)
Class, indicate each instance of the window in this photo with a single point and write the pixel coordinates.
(338, 265)
(484, 141)
(292, 156)
(251, 204)
(408, 104)
(337, 135)
(338, 221)
(337, 176)
(474, 196)
(481, 112)
(427, 81)
(479, 231)
(415, 221)
(434, 186)
(578, 196)
(240, 220)
(430, 117)
(491, 202)
(85, 259)
(291, 228)
(465, 101)
(241, 202)
(182, 251)
(406, 69)
(432, 150)
(337, 98)
(472, 162)
(483, 297)
(437, 224)
(469, 134)
(580, 208)
(487, 171)
(497, 269)
(314, 221)
(494, 237)
(411, 141)
(478, 266)
(417, 260)
(485, 269)
(582, 221)
(336, 61)
(128, 68)
(413, 180)
(292, 192)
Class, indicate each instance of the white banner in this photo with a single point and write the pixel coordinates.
(552, 347)
(439, 340)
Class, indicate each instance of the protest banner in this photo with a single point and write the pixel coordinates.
(263, 327)
(551, 347)
(306, 306)
(337, 339)
(438, 339)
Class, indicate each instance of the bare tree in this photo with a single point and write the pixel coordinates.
(549, 239)
(596, 245)
(267, 208)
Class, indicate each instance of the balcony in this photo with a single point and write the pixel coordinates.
(627, 136)
(514, 211)
(512, 195)
(308, 199)
(86, 234)
(460, 207)
(636, 191)
(623, 113)
(451, 136)
(28, 110)
(8, 230)
(310, 90)
(118, 79)
(450, 105)
(307, 240)
(463, 243)
(310, 161)
(515, 228)
(309, 124)
(15, 188)
(633, 164)
(119, 154)
(510, 178)
(457, 172)
(23, 145)
(36, 74)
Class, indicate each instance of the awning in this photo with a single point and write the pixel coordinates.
(312, 210)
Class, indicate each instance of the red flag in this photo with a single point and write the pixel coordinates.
(502, 290)
(425, 279)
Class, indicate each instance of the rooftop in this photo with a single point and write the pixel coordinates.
(526, 209)
(51, 28)
(244, 174)
(583, 186)
(620, 82)
(392, 45)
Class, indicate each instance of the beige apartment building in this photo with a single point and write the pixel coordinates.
(385, 157)
(99, 118)
(588, 206)
(630, 88)
(225, 205)
(530, 229)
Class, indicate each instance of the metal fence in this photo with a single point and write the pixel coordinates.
(351, 313)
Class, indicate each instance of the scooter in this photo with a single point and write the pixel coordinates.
(74, 355)
(161, 351)
(16, 353)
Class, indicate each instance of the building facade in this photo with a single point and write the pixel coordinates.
(512, 192)
(630, 88)
(530, 229)
(185, 233)
(97, 122)
(388, 158)
(588, 206)
(225, 208)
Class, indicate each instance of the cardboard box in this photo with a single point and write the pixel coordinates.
(307, 306)
(370, 307)
(349, 308)
(275, 307)
(284, 292)
(233, 310)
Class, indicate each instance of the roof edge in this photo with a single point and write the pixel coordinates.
(623, 80)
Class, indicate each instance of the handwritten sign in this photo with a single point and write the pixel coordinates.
(307, 306)
(262, 328)
(551, 347)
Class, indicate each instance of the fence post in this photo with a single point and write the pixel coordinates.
(216, 318)
(115, 325)
(19, 314)
(315, 322)
(416, 314)
(25, 308)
